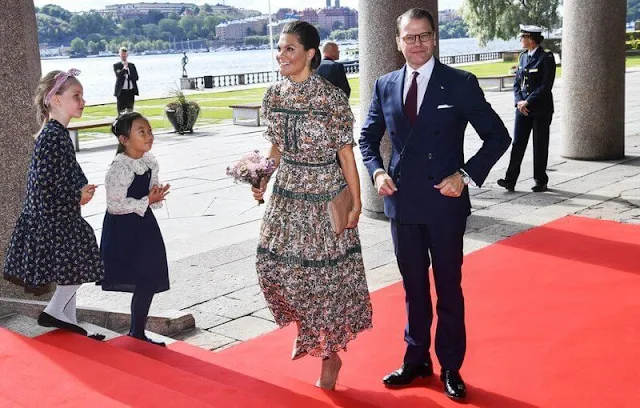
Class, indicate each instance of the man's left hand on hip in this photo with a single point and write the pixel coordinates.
(451, 186)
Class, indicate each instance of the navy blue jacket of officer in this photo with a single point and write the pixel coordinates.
(425, 107)
(534, 108)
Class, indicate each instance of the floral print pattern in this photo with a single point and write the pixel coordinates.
(51, 242)
(309, 274)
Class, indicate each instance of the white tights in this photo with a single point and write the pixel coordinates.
(62, 305)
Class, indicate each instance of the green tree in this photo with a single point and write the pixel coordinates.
(153, 17)
(80, 24)
(453, 29)
(490, 19)
(53, 30)
(56, 11)
(170, 26)
(78, 46)
(151, 31)
(188, 24)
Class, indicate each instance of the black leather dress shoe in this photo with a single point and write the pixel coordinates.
(454, 387)
(46, 320)
(509, 186)
(539, 188)
(148, 340)
(406, 374)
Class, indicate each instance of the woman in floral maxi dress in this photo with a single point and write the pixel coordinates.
(310, 275)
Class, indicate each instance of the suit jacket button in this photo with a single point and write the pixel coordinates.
(430, 177)
(430, 156)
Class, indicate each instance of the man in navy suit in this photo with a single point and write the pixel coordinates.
(425, 107)
(331, 70)
(534, 109)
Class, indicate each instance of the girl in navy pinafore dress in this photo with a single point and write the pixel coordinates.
(132, 247)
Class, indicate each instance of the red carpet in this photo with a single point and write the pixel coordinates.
(553, 317)
(34, 374)
(553, 320)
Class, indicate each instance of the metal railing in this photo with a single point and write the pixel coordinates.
(351, 67)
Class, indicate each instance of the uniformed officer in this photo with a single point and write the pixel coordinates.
(534, 108)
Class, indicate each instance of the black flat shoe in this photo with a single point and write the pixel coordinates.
(539, 188)
(511, 187)
(454, 387)
(148, 340)
(406, 374)
(46, 320)
(96, 336)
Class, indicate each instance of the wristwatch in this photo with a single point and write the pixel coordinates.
(465, 176)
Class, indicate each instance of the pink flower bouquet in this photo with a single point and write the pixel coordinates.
(252, 168)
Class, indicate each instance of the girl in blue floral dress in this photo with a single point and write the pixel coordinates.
(132, 247)
(51, 242)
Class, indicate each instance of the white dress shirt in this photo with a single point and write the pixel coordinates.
(425, 72)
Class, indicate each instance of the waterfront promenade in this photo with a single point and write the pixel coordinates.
(210, 225)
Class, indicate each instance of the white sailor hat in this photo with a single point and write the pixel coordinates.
(530, 29)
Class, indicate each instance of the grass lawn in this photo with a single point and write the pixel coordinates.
(215, 106)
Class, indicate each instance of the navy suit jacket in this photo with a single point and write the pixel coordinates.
(334, 73)
(534, 81)
(435, 147)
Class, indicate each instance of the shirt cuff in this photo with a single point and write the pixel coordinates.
(376, 172)
(468, 177)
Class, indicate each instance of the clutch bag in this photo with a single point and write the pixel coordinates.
(339, 209)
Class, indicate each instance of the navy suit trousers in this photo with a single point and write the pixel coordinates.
(524, 124)
(418, 246)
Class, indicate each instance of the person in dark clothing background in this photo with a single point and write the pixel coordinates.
(331, 70)
(534, 109)
(126, 82)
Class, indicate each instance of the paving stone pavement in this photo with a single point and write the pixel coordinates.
(210, 224)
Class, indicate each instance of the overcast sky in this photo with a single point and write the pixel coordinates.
(262, 5)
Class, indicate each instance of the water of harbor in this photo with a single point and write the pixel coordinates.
(159, 74)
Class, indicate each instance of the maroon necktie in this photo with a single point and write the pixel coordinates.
(411, 103)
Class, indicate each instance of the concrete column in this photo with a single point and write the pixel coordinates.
(379, 55)
(19, 76)
(593, 55)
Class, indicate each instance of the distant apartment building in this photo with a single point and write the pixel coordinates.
(283, 13)
(238, 29)
(131, 10)
(309, 15)
(327, 18)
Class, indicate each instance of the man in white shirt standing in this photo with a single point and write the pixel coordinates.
(126, 82)
(425, 107)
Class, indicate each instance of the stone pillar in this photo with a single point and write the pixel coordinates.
(379, 55)
(593, 58)
(19, 76)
